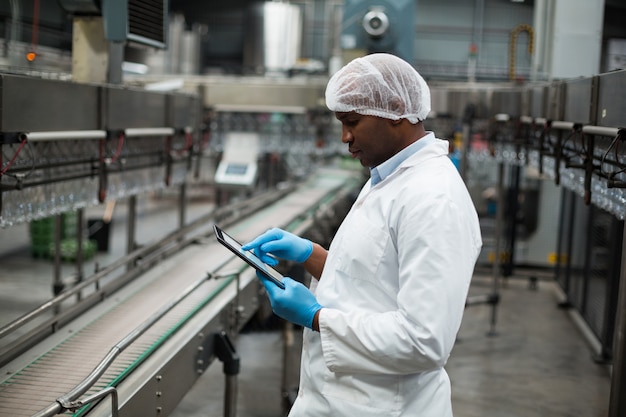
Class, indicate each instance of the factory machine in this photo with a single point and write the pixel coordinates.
(559, 152)
(131, 338)
(546, 168)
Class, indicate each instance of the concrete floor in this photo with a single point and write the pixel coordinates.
(539, 363)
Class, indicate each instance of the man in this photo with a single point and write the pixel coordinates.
(388, 296)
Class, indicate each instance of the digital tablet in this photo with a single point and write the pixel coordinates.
(248, 256)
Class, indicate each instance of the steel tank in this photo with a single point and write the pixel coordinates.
(273, 37)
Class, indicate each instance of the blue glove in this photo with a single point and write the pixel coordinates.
(281, 244)
(295, 303)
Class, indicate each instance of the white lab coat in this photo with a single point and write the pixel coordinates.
(393, 289)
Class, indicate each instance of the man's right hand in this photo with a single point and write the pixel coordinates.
(277, 243)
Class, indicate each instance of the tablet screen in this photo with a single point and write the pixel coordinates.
(248, 256)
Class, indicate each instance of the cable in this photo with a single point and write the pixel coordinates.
(621, 135)
(188, 144)
(118, 151)
(8, 165)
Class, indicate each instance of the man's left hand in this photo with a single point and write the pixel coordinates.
(294, 303)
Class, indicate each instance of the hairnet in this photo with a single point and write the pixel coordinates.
(380, 85)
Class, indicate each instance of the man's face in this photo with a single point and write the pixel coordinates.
(371, 139)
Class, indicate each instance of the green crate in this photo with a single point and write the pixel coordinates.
(42, 227)
(69, 226)
(42, 232)
(69, 249)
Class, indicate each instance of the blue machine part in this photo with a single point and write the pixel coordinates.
(379, 26)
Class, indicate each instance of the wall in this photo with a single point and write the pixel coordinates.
(446, 29)
(576, 40)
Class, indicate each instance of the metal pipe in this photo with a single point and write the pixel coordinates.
(88, 173)
(81, 175)
(63, 135)
(148, 131)
(562, 125)
(114, 400)
(67, 399)
(513, 45)
(255, 108)
(601, 130)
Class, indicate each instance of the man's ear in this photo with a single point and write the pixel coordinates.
(396, 105)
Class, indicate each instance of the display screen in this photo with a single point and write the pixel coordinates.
(248, 256)
(236, 169)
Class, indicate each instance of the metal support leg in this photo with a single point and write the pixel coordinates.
(225, 352)
(182, 206)
(288, 394)
(497, 252)
(58, 285)
(80, 215)
(617, 403)
(130, 231)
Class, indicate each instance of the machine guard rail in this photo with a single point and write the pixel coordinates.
(156, 251)
(68, 401)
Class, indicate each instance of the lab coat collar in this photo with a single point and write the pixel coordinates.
(382, 171)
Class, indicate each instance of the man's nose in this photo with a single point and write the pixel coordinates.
(346, 135)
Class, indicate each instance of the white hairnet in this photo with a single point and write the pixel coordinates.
(380, 85)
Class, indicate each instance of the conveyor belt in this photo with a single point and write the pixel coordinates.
(88, 340)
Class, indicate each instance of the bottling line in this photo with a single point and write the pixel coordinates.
(570, 132)
(543, 160)
(179, 299)
(86, 145)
